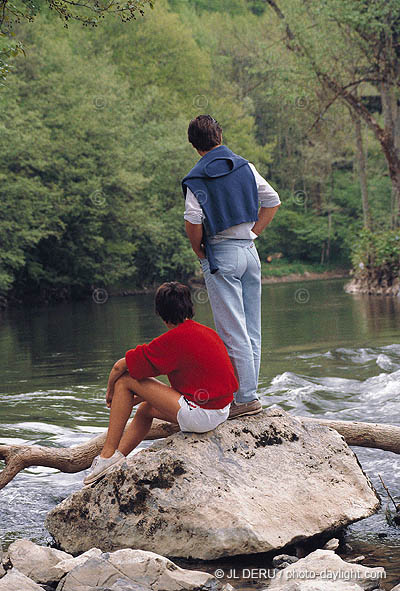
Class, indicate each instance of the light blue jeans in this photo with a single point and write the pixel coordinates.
(234, 292)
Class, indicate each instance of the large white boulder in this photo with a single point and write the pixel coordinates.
(253, 485)
(36, 562)
(323, 570)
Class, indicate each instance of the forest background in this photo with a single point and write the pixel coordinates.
(93, 138)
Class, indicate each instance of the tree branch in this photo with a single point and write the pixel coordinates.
(66, 459)
(78, 458)
(384, 136)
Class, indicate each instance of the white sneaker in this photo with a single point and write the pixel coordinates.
(101, 466)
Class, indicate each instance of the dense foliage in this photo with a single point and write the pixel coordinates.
(376, 257)
(93, 146)
(90, 13)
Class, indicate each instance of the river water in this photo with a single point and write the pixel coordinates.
(325, 353)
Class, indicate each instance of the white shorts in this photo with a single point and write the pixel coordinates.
(195, 419)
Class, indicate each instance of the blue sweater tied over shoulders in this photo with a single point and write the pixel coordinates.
(226, 190)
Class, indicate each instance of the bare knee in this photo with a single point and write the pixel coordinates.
(145, 409)
(125, 382)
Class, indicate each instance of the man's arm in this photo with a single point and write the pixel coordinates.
(195, 235)
(265, 217)
(119, 368)
(194, 223)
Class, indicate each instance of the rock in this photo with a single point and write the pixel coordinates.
(2, 569)
(65, 566)
(134, 570)
(283, 560)
(252, 485)
(348, 548)
(365, 285)
(332, 544)
(323, 570)
(36, 562)
(319, 586)
(122, 585)
(16, 581)
(357, 559)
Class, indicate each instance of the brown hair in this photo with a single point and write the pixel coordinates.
(204, 133)
(173, 302)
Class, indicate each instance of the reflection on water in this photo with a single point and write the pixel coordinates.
(325, 353)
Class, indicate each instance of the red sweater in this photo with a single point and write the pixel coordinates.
(195, 360)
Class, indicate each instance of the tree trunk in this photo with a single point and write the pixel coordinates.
(389, 135)
(78, 458)
(391, 116)
(67, 459)
(362, 171)
(386, 136)
(377, 435)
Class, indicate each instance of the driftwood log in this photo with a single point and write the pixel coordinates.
(79, 457)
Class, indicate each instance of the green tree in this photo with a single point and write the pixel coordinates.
(361, 32)
(89, 13)
(70, 179)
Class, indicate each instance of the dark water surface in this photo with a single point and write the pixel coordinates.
(325, 353)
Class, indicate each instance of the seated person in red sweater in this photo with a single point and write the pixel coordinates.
(199, 370)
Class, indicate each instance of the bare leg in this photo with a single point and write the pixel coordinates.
(161, 398)
(139, 427)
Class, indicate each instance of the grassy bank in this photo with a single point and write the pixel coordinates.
(284, 270)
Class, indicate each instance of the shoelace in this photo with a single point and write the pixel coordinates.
(96, 459)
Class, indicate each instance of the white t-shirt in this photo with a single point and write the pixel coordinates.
(267, 197)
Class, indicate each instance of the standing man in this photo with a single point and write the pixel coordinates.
(228, 204)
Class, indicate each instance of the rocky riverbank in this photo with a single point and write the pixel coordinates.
(306, 276)
(35, 568)
(373, 286)
(29, 567)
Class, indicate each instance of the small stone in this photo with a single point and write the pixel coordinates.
(332, 544)
(283, 565)
(283, 560)
(357, 559)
